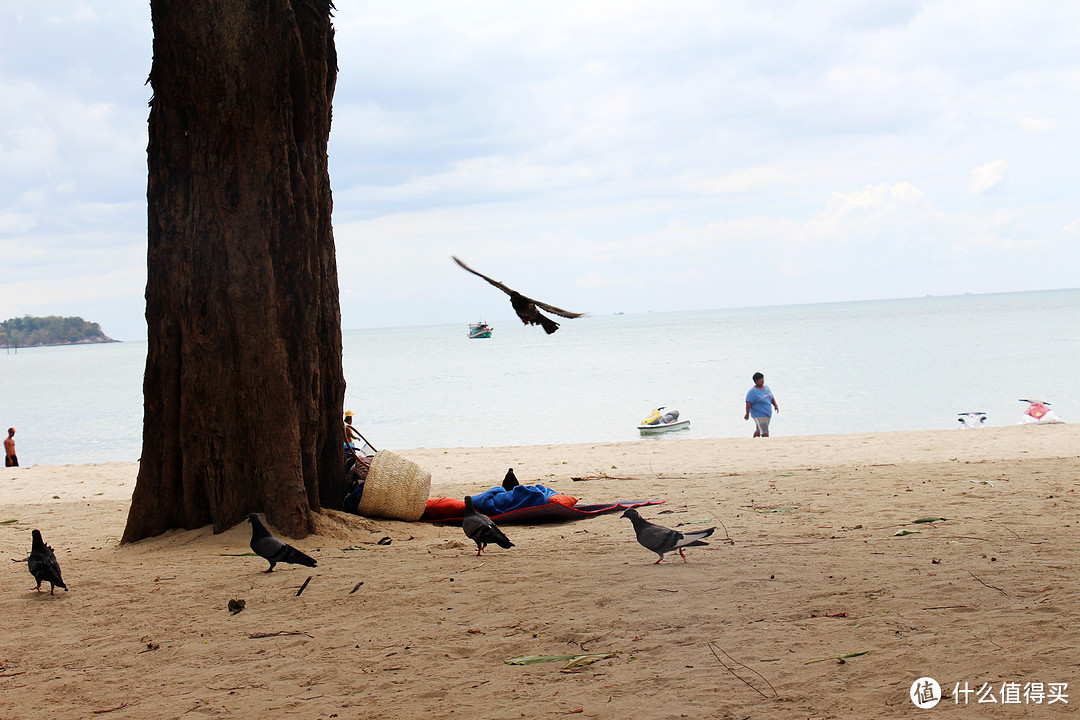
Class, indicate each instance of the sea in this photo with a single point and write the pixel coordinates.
(845, 367)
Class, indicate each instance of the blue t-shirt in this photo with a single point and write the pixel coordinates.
(760, 401)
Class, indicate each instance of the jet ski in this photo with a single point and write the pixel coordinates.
(658, 423)
(1038, 412)
(972, 419)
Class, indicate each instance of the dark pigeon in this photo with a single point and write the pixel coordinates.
(42, 564)
(275, 551)
(527, 309)
(481, 529)
(510, 481)
(661, 540)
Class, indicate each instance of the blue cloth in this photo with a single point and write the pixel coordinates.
(499, 500)
(760, 401)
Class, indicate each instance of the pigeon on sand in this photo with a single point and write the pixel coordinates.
(510, 481)
(661, 540)
(481, 529)
(275, 551)
(42, 564)
(526, 308)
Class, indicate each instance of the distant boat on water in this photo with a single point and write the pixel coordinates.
(479, 330)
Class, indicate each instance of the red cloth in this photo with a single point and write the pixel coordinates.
(444, 509)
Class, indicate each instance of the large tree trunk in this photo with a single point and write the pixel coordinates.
(244, 388)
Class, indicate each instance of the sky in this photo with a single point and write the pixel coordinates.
(600, 156)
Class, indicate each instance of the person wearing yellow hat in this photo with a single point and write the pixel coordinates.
(354, 441)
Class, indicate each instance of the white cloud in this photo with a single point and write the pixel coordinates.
(987, 177)
(77, 12)
(587, 149)
(595, 280)
(1038, 124)
(12, 222)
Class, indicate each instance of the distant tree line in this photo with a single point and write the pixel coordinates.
(31, 331)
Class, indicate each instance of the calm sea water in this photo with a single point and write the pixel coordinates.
(834, 368)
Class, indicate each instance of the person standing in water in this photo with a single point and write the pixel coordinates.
(10, 459)
(759, 405)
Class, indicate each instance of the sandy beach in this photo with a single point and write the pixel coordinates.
(817, 555)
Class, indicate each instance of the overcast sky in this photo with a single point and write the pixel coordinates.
(601, 156)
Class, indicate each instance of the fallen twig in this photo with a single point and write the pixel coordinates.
(838, 658)
(945, 607)
(1007, 528)
(303, 586)
(713, 648)
(385, 540)
(256, 636)
(121, 706)
(985, 585)
(356, 587)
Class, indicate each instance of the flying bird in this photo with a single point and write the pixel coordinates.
(481, 529)
(510, 481)
(273, 550)
(526, 308)
(42, 564)
(660, 539)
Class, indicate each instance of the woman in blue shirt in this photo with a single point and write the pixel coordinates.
(759, 405)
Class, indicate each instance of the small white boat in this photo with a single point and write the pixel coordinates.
(657, 423)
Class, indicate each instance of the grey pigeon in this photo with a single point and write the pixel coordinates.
(527, 309)
(481, 529)
(275, 551)
(42, 564)
(510, 481)
(661, 540)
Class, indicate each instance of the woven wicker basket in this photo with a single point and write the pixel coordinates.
(395, 488)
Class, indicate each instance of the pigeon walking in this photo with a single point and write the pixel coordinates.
(481, 529)
(526, 308)
(275, 551)
(510, 481)
(661, 540)
(42, 564)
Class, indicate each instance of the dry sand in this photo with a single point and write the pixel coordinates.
(805, 564)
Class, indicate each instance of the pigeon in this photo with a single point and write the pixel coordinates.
(481, 529)
(510, 481)
(661, 540)
(42, 564)
(275, 551)
(526, 308)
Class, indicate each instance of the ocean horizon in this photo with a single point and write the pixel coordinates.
(844, 367)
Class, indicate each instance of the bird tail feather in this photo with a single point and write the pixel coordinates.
(298, 558)
(695, 538)
(548, 324)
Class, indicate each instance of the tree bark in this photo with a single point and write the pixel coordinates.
(244, 387)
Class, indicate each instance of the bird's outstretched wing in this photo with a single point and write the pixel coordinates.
(496, 283)
(554, 310)
(542, 305)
